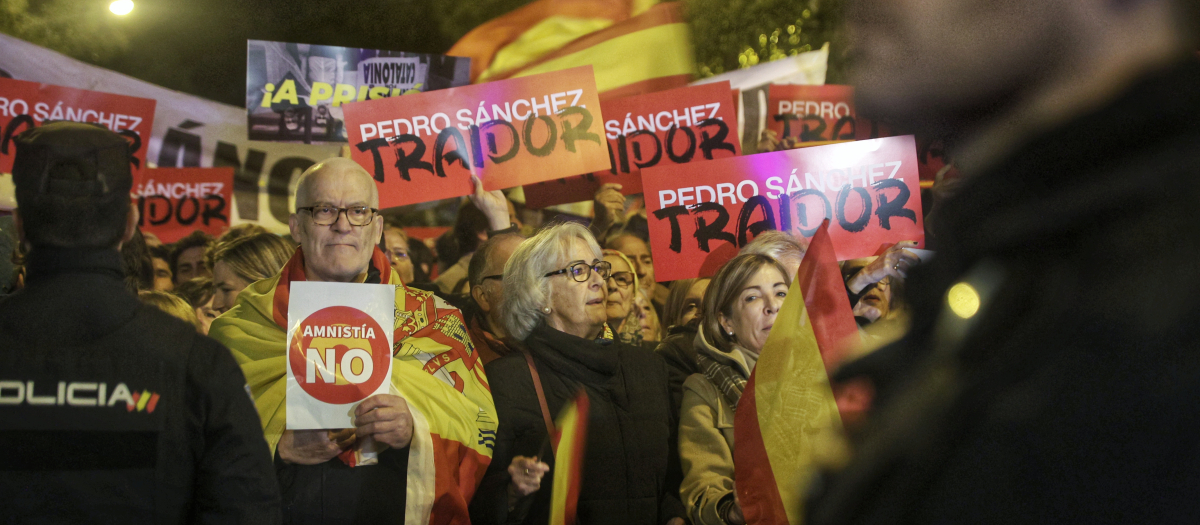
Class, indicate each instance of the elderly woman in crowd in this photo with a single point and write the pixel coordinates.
(740, 308)
(622, 282)
(243, 260)
(555, 308)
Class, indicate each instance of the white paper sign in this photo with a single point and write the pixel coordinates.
(339, 351)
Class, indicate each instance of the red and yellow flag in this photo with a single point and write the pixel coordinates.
(787, 408)
(435, 368)
(569, 442)
(633, 46)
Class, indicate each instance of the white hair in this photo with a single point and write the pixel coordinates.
(526, 290)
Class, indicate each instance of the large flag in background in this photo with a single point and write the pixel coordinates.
(634, 46)
(787, 408)
(570, 441)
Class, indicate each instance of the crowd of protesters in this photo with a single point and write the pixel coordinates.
(580, 312)
(1066, 394)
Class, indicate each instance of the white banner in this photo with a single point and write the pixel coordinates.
(188, 131)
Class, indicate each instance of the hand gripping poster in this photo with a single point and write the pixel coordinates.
(295, 92)
(339, 351)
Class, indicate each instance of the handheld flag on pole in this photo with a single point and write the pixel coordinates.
(787, 407)
(569, 441)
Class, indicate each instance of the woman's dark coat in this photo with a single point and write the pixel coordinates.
(631, 465)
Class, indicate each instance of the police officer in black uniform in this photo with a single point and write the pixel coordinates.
(111, 411)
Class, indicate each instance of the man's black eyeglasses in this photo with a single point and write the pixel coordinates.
(324, 215)
(582, 271)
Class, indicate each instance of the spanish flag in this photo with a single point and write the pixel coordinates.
(634, 46)
(569, 442)
(788, 408)
(434, 368)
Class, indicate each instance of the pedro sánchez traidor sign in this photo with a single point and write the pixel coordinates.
(339, 350)
(295, 92)
(173, 202)
(25, 105)
(677, 126)
(701, 214)
(425, 146)
(799, 114)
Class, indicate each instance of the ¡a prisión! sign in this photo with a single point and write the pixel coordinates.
(339, 350)
(701, 214)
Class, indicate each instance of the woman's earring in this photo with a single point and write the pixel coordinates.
(546, 309)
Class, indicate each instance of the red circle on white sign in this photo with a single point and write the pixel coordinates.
(339, 355)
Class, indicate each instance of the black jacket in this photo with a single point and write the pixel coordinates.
(1071, 396)
(678, 351)
(631, 465)
(112, 411)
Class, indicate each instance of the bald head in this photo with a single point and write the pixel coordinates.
(341, 251)
(336, 170)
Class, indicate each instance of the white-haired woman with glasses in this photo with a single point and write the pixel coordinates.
(555, 309)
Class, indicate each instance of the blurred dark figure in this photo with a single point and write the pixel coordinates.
(8, 253)
(1050, 373)
(136, 263)
(446, 250)
(115, 412)
(422, 260)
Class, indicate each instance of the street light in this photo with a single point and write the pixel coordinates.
(121, 7)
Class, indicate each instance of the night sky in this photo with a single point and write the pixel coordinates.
(199, 46)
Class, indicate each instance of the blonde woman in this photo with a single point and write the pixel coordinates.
(238, 262)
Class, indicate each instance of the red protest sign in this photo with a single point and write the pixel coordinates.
(676, 126)
(512, 132)
(25, 105)
(800, 114)
(805, 114)
(175, 201)
(700, 215)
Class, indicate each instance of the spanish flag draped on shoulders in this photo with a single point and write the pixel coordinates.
(435, 369)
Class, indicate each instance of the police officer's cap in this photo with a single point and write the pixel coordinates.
(71, 160)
